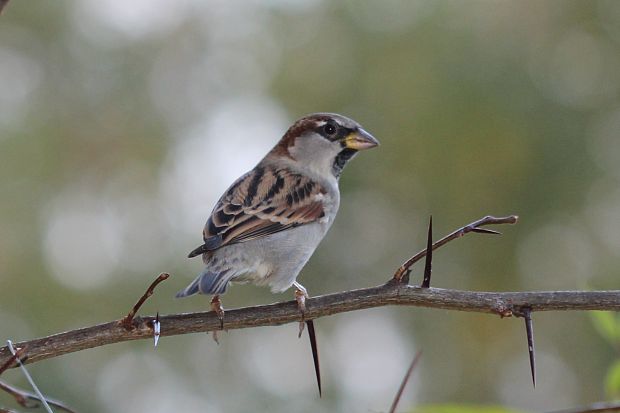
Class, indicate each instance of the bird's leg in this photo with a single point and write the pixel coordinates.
(300, 296)
(216, 306)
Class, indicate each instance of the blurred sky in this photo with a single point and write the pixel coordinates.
(122, 122)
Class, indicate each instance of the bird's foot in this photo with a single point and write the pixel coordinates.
(216, 306)
(300, 296)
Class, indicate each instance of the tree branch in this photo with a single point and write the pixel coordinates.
(392, 293)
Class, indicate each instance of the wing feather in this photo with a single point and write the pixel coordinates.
(264, 201)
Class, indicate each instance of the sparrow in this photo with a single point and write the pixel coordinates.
(267, 224)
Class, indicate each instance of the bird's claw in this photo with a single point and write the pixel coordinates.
(216, 306)
(300, 296)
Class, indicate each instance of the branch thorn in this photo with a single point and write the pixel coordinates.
(426, 282)
(315, 354)
(156, 329)
(529, 330)
(486, 231)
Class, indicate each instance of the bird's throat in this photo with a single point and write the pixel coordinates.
(341, 160)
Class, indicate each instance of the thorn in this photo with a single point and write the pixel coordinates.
(301, 328)
(399, 393)
(315, 354)
(156, 329)
(529, 329)
(486, 231)
(426, 282)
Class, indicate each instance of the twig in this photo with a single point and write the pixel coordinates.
(473, 227)
(399, 393)
(18, 355)
(498, 303)
(31, 401)
(128, 321)
(29, 378)
(594, 408)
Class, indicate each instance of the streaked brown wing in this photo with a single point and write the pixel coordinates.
(264, 201)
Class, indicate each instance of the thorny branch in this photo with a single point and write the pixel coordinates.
(392, 293)
(473, 227)
(503, 304)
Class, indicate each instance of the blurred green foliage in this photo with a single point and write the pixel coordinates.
(608, 326)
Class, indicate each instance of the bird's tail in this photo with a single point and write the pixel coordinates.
(208, 282)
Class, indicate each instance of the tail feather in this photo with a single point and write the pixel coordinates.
(208, 282)
(190, 290)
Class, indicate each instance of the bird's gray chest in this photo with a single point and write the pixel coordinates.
(277, 259)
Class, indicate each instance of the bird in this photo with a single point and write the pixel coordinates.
(268, 223)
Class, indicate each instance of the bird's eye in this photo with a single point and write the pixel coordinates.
(330, 129)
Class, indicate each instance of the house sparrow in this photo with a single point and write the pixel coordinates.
(269, 222)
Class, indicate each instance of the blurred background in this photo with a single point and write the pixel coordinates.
(121, 123)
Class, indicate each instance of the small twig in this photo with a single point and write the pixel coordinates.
(593, 408)
(428, 265)
(399, 394)
(18, 355)
(127, 322)
(473, 227)
(315, 353)
(29, 378)
(31, 401)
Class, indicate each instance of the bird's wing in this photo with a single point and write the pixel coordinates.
(264, 201)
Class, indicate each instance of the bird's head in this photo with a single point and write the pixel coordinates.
(323, 143)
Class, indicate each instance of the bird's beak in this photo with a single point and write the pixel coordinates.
(360, 139)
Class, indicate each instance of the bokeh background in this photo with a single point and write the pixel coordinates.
(121, 122)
